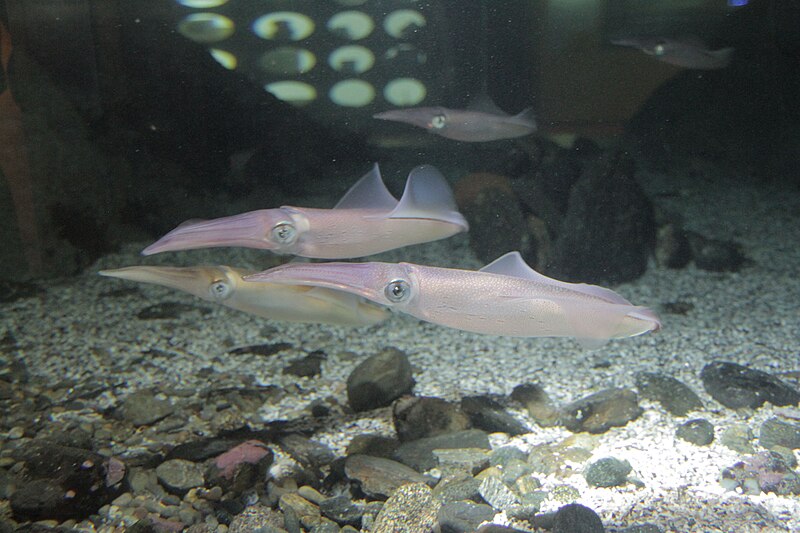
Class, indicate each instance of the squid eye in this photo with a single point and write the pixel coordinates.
(284, 233)
(438, 122)
(397, 291)
(220, 290)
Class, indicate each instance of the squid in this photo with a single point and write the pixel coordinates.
(506, 297)
(367, 220)
(291, 303)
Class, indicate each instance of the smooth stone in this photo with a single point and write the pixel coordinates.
(411, 509)
(538, 403)
(602, 410)
(179, 475)
(305, 451)
(676, 397)
(380, 477)
(373, 444)
(141, 408)
(774, 433)
(698, 431)
(379, 380)
(257, 518)
(607, 472)
(417, 417)
(419, 455)
(488, 415)
(341, 510)
(497, 494)
(736, 386)
(739, 438)
(471, 460)
(463, 516)
(457, 486)
(575, 518)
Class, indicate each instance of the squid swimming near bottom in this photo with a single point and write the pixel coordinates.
(291, 303)
(506, 297)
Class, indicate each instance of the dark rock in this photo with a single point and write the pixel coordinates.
(463, 516)
(410, 509)
(490, 206)
(739, 438)
(673, 395)
(607, 472)
(305, 451)
(678, 308)
(606, 206)
(373, 444)
(264, 350)
(471, 460)
(60, 482)
(488, 415)
(538, 403)
(306, 367)
(141, 408)
(341, 510)
(419, 455)
(257, 518)
(698, 431)
(715, 255)
(416, 417)
(497, 494)
(576, 518)
(179, 475)
(602, 410)
(672, 247)
(457, 486)
(379, 477)
(169, 311)
(737, 386)
(776, 433)
(494, 528)
(379, 380)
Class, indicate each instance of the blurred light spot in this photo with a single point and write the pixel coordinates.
(224, 58)
(403, 23)
(202, 4)
(352, 93)
(738, 3)
(404, 91)
(283, 25)
(352, 25)
(206, 27)
(295, 92)
(287, 61)
(405, 55)
(351, 60)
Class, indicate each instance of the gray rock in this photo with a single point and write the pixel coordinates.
(457, 486)
(418, 454)
(417, 417)
(739, 438)
(715, 255)
(257, 519)
(305, 451)
(463, 516)
(490, 416)
(698, 431)
(373, 444)
(379, 477)
(576, 518)
(411, 509)
(776, 433)
(607, 472)
(736, 386)
(379, 380)
(141, 408)
(502, 455)
(676, 397)
(602, 410)
(539, 405)
(471, 460)
(179, 475)
(497, 494)
(341, 510)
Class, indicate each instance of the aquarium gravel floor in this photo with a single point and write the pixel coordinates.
(72, 331)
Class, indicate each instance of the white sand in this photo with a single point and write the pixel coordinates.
(751, 317)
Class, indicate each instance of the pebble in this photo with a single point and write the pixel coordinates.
(419, 455)
(488, 415)
(602, 410)
(774, 433)
(179, 475)
(463, 516)
(736, 386)
(496, 493)
(607, 472)
(341, 510)
(410, 509)
(416, 417)
(379, 380)
(698, 431)
(142, 408)
(380, 477)
(738, 437)
(539, 405)
(676, 397)
(576, 518)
